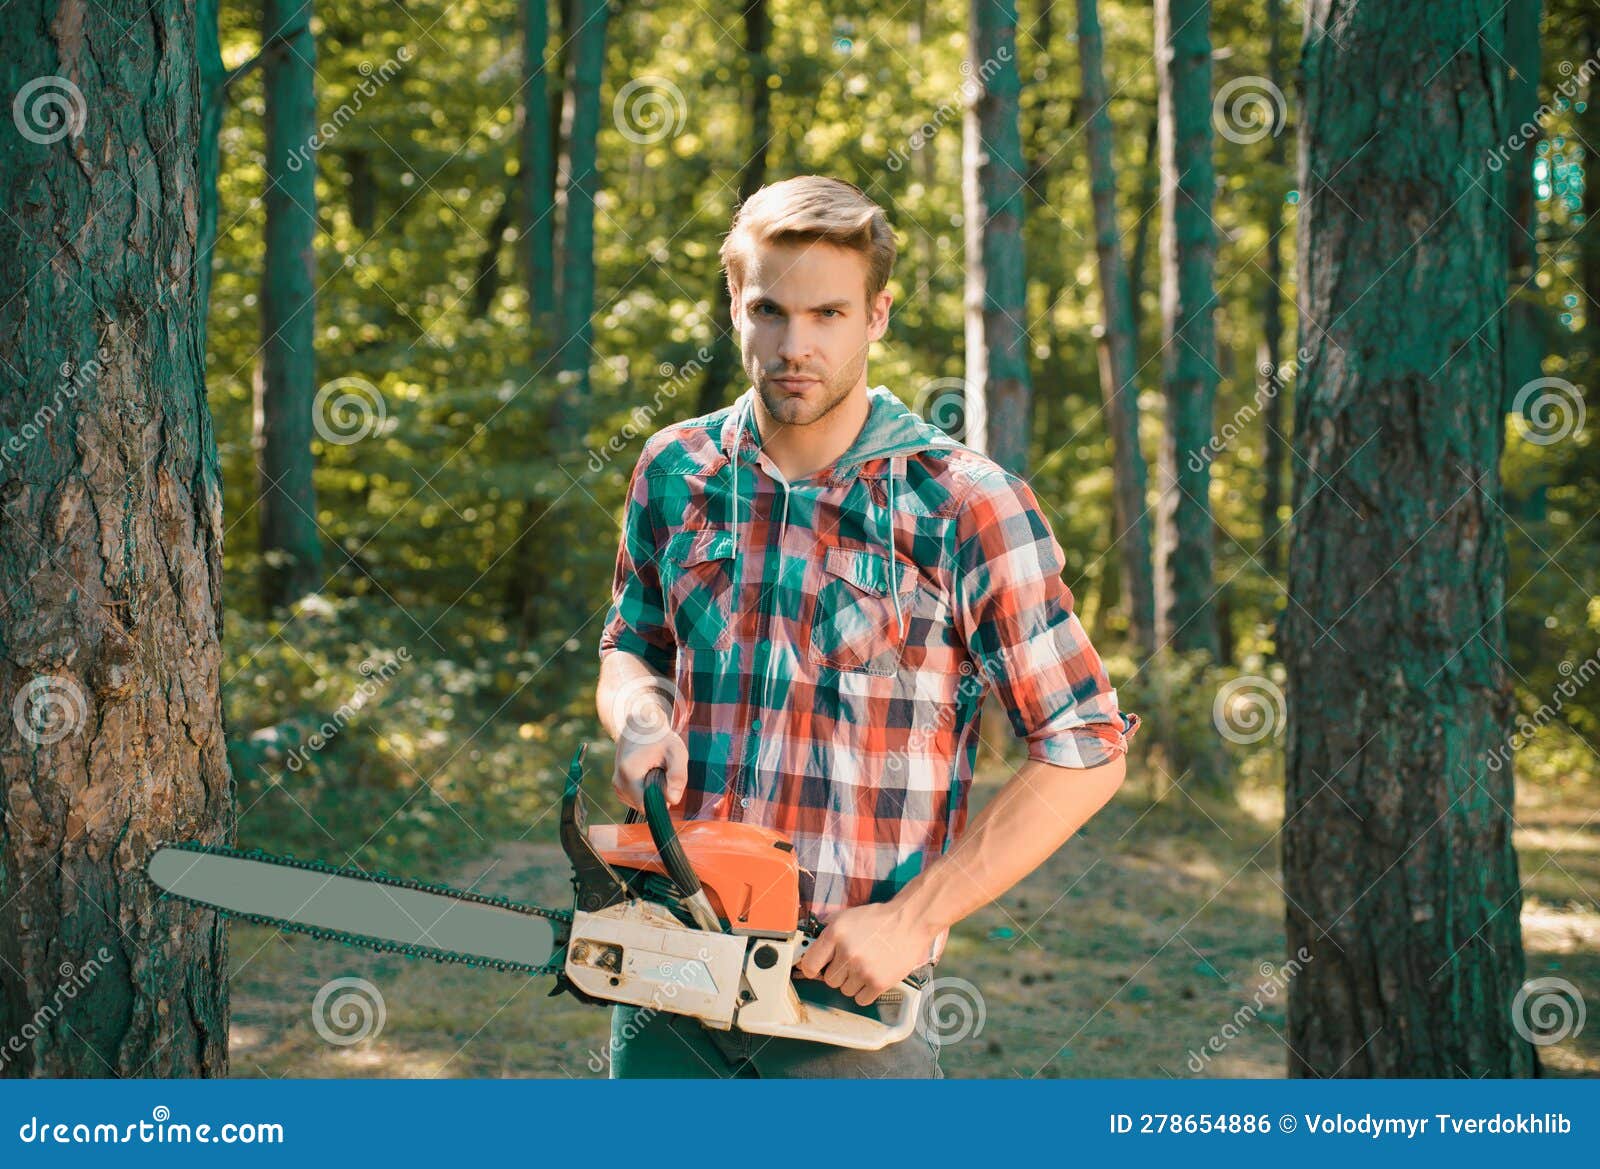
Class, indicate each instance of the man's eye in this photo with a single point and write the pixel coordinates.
(831, 311)
(765, 308)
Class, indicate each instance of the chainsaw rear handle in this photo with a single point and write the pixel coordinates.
(670, 848)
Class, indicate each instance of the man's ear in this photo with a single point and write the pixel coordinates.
(734, 301)
(878, 318)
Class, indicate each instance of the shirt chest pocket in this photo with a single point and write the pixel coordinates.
(697, 588)
(854, 622)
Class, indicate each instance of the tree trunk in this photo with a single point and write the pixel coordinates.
(1118, 348)
(1526, 330)
(1398, 862)
(1589, 241)
(752, 177)
(286, 376)
(1185, 618)
(1149, 193)
(997, 381)
(537, 181)
(363, 191)
(1274, 452)
(577, 241)
(213, 100)
(111, 526)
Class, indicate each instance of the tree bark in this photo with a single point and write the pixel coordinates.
(537, 180)
(1185, 617)
(1399, 869)
(997, 378)
(1147, 204)
(1274, 449)
(714, 386)
(285, 386)
(111, 529)
(577, 241)
(1118, 346)
(213, 99)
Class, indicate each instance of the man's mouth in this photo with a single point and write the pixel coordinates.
(794, 383)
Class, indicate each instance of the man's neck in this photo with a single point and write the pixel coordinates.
(800, 451)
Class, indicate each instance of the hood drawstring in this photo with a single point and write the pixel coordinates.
(894, 561)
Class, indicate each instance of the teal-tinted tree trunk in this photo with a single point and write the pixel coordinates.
(998, 382)
(212, 100)
(720, 369)
(1118, 345)
(1399, 868)
(1269, 358)
(1185, 616)
(110, 549)
(286, 376)
(536, 180)
(1526, 331)
(577, 240)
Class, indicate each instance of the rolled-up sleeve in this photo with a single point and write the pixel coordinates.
(1018, 623)
(637, 622)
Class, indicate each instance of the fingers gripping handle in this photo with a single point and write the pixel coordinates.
(671, 851)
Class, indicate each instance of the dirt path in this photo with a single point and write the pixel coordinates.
(1122, 956)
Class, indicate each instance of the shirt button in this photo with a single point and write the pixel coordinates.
(744, 801)
(755, 724)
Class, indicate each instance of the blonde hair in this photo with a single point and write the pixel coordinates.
(807, 209)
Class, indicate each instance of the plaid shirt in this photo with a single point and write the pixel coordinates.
(823, 690)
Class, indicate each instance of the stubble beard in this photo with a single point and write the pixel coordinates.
(791, 411)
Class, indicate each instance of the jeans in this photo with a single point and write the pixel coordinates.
(655, 1044)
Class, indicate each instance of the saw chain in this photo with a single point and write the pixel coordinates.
(378, 876)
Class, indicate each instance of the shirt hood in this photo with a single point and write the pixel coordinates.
(892, 428)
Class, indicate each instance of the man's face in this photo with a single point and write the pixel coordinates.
(805, 327)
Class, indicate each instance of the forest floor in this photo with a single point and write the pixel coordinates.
(1122, 956)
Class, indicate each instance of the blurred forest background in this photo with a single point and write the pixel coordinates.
(447, 307)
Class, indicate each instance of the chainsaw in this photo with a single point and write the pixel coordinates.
(698, 918)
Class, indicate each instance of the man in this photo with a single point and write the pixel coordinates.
(814, 591)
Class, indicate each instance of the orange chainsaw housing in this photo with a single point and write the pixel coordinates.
(749, 872)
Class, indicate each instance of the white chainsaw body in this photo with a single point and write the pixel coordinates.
(636, 952)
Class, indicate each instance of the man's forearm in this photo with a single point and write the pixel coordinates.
(626, 682)
(1032, 816)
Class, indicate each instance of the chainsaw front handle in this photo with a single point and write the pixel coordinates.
(670, 849)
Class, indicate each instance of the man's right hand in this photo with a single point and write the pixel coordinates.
(636, 705)
(640, 750)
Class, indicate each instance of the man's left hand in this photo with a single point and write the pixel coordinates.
(866, 949)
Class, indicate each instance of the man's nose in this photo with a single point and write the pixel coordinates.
(795, 347)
